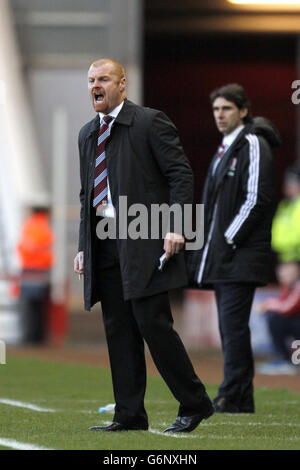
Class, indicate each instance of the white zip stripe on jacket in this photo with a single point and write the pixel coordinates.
(252, 188)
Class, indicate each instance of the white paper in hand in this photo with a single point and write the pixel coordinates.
(162, 261)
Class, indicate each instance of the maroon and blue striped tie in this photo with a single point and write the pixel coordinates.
(100, 181)
(221, 151)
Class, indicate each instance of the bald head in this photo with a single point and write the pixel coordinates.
(107, 84)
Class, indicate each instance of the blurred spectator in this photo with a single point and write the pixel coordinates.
(35, 253)
(286, 222)
(283, 318)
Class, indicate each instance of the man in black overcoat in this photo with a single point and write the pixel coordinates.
(146, 164)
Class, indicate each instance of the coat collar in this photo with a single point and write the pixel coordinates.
(124, 117)
(126, 114)
(236, 143)
(227, 155)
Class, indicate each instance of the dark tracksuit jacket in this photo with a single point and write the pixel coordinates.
(238, 205)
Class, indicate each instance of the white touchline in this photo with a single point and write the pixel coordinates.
(29, 406)
(219, 437)
(169, 434)
(12, 444)
(235, 423)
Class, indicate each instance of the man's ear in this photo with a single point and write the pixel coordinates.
(122, 84)
(243, 112)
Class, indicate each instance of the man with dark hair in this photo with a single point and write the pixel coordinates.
(236, 94)
(238, 200)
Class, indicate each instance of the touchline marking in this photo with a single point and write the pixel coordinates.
(214, 436)
(12, 444)
(235, 423)
(169, 434)
(29, 406)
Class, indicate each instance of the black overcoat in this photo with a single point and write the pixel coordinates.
(146, 163)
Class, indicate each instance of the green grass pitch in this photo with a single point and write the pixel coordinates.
(75, 392)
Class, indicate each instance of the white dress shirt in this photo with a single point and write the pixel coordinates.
(230, 138)
(227, 141)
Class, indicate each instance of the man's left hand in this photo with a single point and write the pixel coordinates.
(173, 244)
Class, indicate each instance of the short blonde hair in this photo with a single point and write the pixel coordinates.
(119, 69)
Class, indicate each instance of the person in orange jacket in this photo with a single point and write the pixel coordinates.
(36, 240)
(36, 257)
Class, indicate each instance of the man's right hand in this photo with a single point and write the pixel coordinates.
(78, 263)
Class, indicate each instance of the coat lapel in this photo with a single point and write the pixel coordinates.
(95, 123)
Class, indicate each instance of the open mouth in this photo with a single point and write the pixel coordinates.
(99, 97)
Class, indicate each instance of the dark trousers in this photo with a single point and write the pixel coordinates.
(234, 303)
(127, 324)
(34, 305)
(283, 330)
(34, 320)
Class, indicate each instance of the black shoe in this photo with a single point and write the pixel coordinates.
(222, 405)
(118, 427)
(188, 423)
